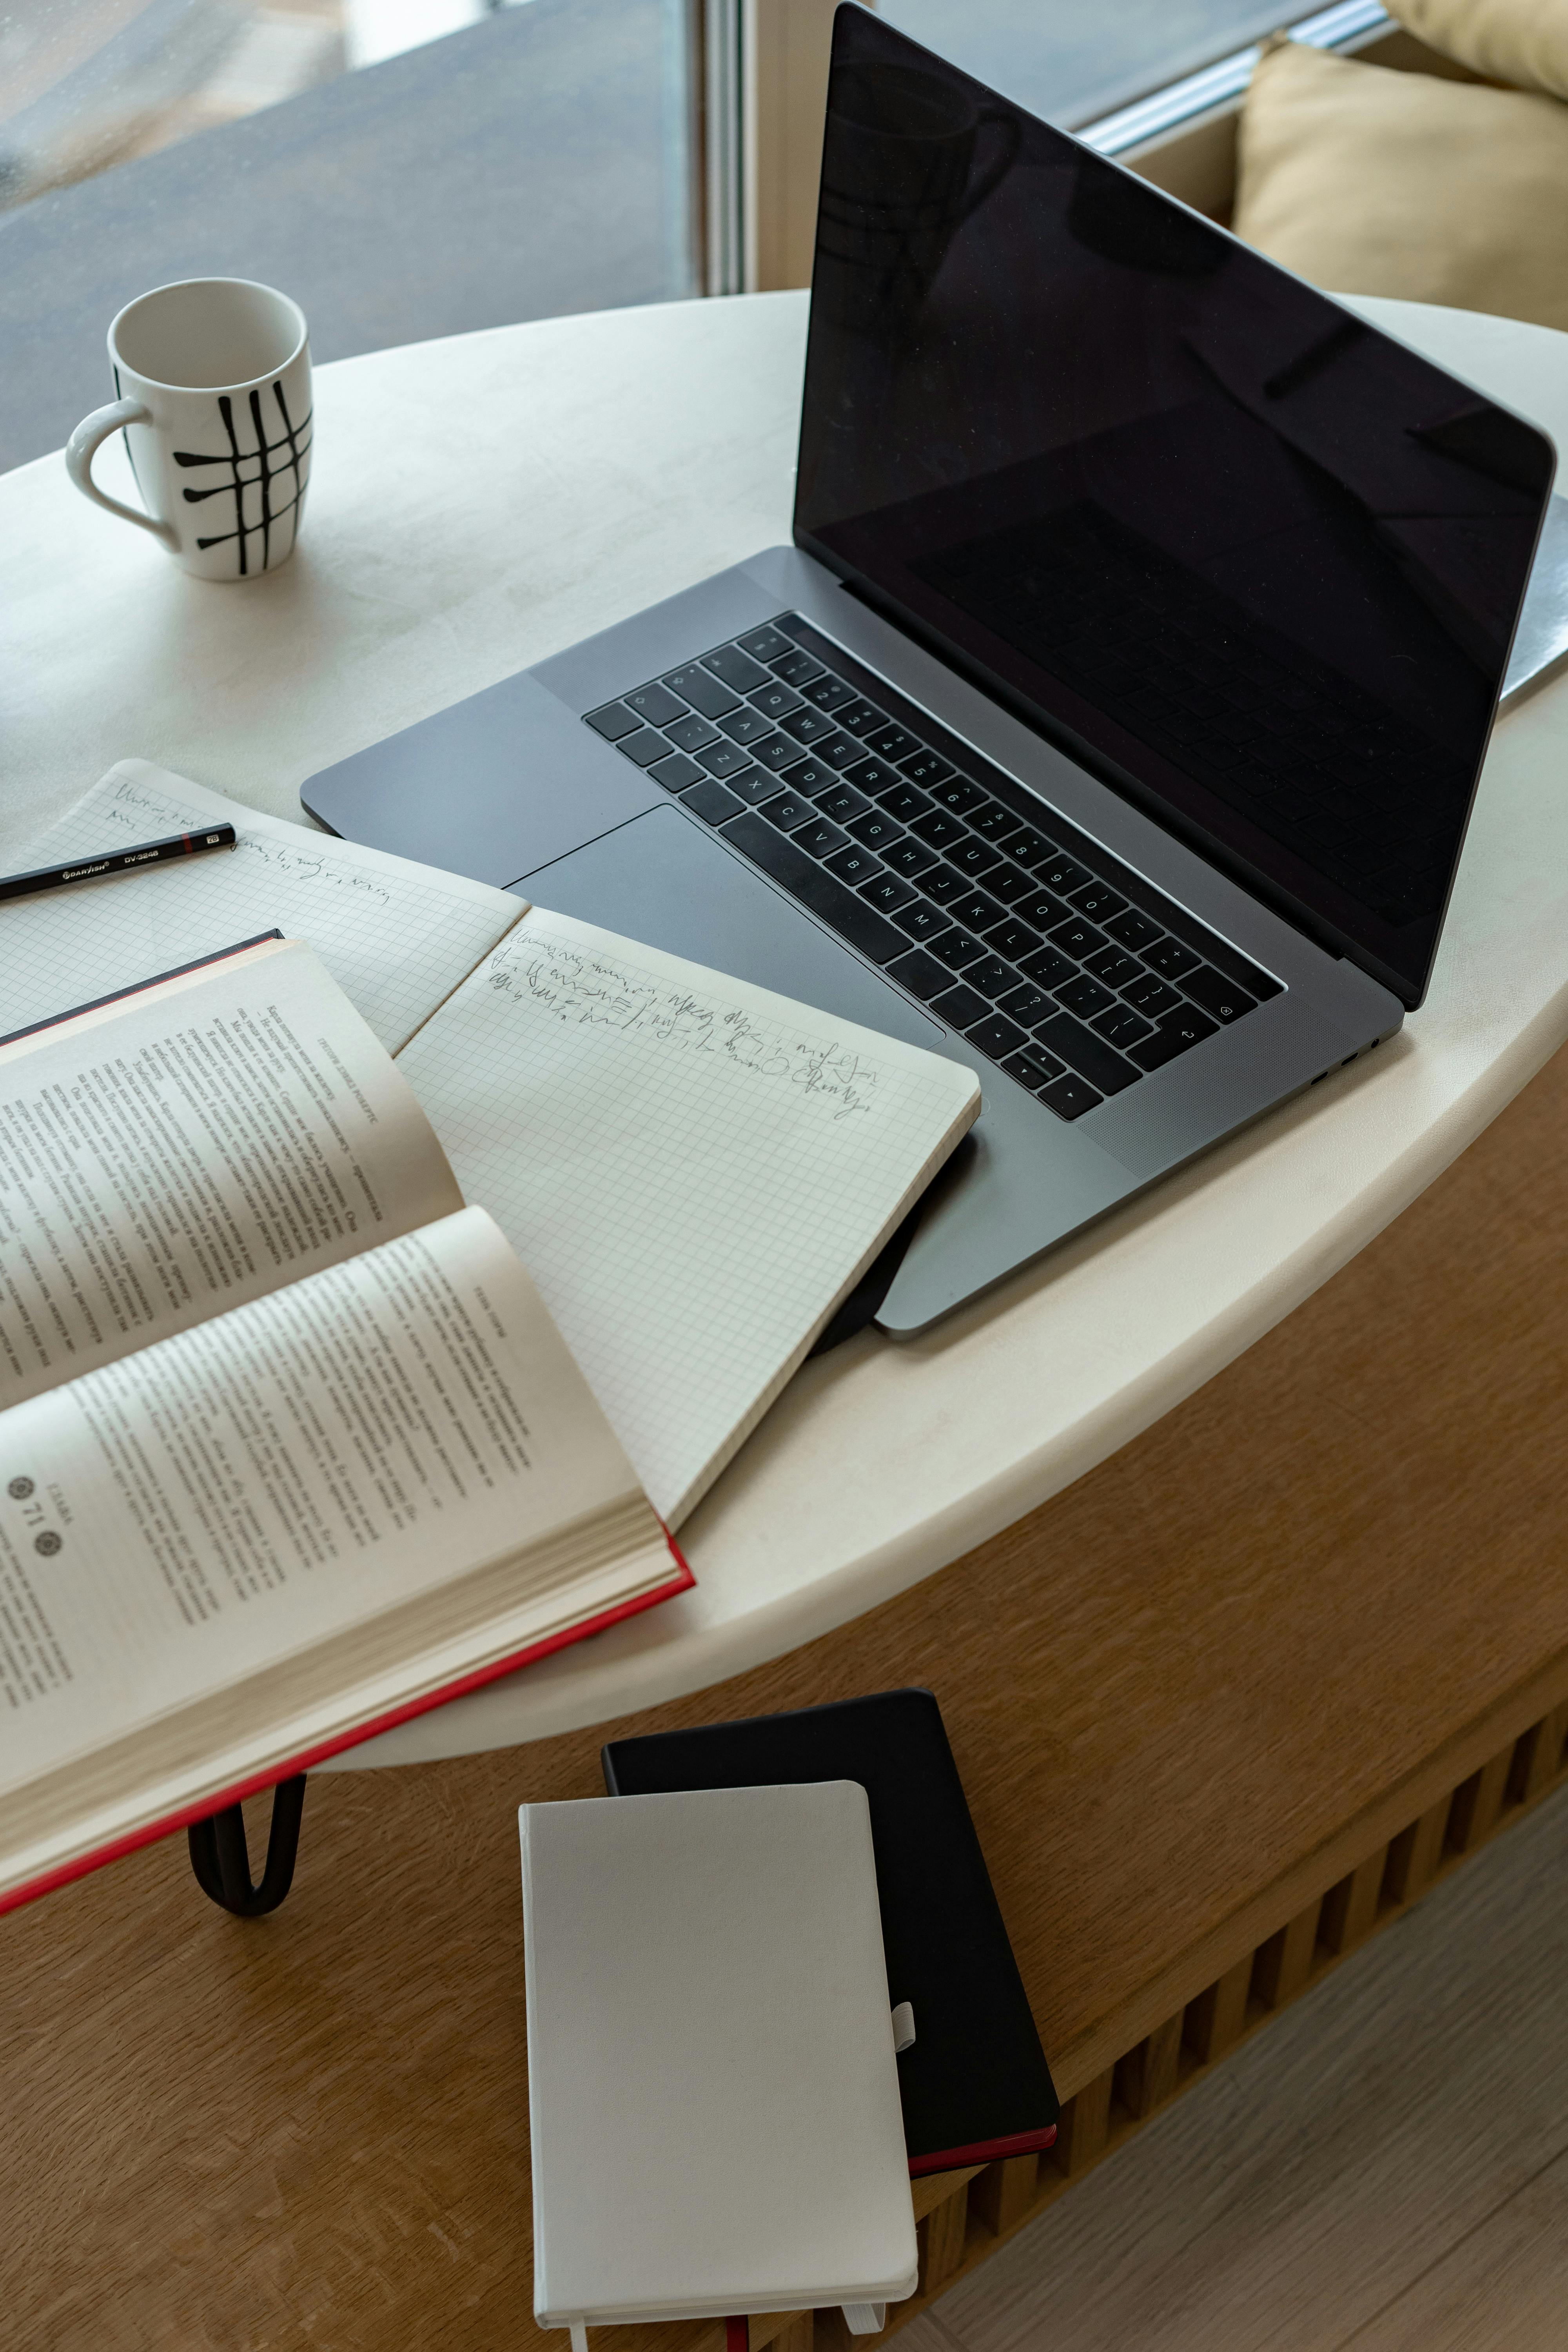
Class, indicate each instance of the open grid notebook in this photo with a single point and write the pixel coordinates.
(695, 1171)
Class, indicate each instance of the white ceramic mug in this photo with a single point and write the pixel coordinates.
(214, 382)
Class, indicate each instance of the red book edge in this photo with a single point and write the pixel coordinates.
(984, 2151)
(152, 1831)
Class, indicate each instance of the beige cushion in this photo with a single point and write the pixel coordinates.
(1383, 183)
(1522, 41)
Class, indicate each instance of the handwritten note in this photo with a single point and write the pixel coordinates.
(397, 937)
(588, 991)
(692, 1170)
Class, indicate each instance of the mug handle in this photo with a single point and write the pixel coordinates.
(83, 446)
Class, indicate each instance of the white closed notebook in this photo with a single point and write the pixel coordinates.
(713, 2095)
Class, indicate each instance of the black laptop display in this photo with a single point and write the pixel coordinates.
(1254, 562)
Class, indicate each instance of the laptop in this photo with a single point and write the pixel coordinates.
(1112, 724)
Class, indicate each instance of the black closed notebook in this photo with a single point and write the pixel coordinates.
(975, 2081)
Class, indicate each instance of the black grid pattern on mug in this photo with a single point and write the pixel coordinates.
(290, 449)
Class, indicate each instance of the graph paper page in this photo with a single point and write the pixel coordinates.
(693, 1170)
(397, 937)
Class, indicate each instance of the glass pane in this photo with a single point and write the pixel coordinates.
(541, 160)
(1070, 62)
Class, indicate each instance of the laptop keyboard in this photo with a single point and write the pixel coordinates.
(1072, 974)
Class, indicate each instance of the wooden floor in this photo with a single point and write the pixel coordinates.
(1385, 2168)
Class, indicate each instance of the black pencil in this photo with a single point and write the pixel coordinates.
(118, 861)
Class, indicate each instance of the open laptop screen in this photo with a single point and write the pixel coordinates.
(1258, 564)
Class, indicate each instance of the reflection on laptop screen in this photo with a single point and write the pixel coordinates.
(1260, 563)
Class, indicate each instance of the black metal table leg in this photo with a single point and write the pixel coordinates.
(221, 1859)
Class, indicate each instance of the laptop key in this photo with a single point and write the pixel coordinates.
(957, 948)
(1132, 929)
(746, 726)
(861, 716)
(875, 831)
(1090, 1055)
(675, 772)
(1027, 1004)
(1013, 939)
(958, 795)
(1045, 911)
(765, 644)
(943, 885)
(1062, 873)
(736, 668)
(922, 921)
(886, 892)
(902, 802)
(995, 1037)
(975, 911)
(703, 691)
(910, 857)
(1032, 1068)
(788, 812)
(817, 890)
(1152, 996)
(690, 732)
(991, 976)
(1121, 1026)
(892, 742)
(1098, 901)
(1070, 1098)
(1047, 966)
(808, 776)
(645, 747)
(841, 802)
(993, 822)
(723, 759)
(1216, 995)
(795, 669)
(960, 1005)
(827, 691)
(1009, 883)
(1174, 1034)
(1027, 845)
(1077, 938)
(837, 752)
(1084, 996)
(656, 706)
(858, 867)
(753, 784)
(711, 801)
(938, 828)
(1171, 958)
(920, 975)
(774, 700)
(821, 839)
(612, 720)
(777, 752)
(809, 726)
(1114, 966)
(925, 768)
(973, 855)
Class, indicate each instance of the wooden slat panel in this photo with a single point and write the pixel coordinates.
(1085, 2125)
(1477, 1803)
(942, 2235)
(1416, 1855)
(1217, 2019)
(1147, 2074)
(1284, 1962)
(934, 2188)
(1004, 2192)
(1350, 1909)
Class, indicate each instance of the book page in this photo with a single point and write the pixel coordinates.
(397, 937)
(694, 1171)
(171, 1158)
(180, 1521)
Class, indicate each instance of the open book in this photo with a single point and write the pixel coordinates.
(224, 1177)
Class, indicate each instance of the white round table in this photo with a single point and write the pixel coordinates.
(478, 503)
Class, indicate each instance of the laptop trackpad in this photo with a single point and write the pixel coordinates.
(662, 879)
